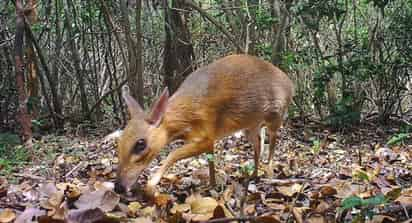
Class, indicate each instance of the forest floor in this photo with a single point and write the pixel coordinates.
(359, 175)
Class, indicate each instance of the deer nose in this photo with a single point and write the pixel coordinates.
(119, 188)
(120, 185)
(125, 182)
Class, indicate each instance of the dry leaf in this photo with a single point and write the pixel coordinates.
(298, 214)
(250, 209)
(406, 197)
(219, 212)
(203, 205)
(106, 200)
(382, 219)
(315, 218)
(47, 190)
(228, 193)
(180, 208)
(72, 192)
(29, 214)
(268, 219)
(161, 200)
(148, 211)
(7, 215)
(289, 191)
(328, 190)
(322, 207)
(143, 220)
(54, 204)
(133, 207)
(345, 189)
(85, 215)
(202, 208)
(98, 185)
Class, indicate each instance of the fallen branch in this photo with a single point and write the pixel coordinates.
(260, 218)
(74, 169)
(222, 220)
(25, 175)
(396, 208)
(283, 182)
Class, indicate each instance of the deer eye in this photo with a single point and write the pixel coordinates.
(139, 146)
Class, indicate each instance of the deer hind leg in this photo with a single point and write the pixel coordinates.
(212, 172)
(273, 127)
(253, 137)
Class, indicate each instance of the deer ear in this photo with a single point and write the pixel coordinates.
(132, 105)
(158, 109)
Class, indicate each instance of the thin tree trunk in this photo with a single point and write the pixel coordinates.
(179, 54)
(32, 76)
(76, 60)
(202, 12)
(134, 71)
(139, 53)
(57, 112)
(55, 75)
(23, 116)
(278, 31)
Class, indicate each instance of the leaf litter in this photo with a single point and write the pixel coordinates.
(318, 176)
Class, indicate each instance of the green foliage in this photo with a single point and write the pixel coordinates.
(361, 175)
(210, 157)
(33, 103)
(355, 201)
(315, 146)
(11, 153)
(398, 139)
(265, 50)
(366, 205)
(343, 113)
(247, 169)
(264, 20)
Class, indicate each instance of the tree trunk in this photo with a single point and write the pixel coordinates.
(54, 78)
(139, 54)
(76, 60)
(134, 67)
(278, 31)
(178, 56)
(32, 78)
(23, 116)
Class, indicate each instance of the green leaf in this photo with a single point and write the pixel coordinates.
(397, 139)
(361, 175)
(248, 169)
(393, 194)
(351, 202)
(316, 146)
(373, 201)
(210, 157)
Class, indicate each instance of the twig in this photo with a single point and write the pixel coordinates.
(74, 169)
(14, 206)
(222, 220)
(24, 175)
(405, 211)
(281, 182)
(240, 219)
(394, 208)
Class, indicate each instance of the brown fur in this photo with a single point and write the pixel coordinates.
(233, 93)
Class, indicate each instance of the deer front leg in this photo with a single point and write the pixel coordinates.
(188, 150)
